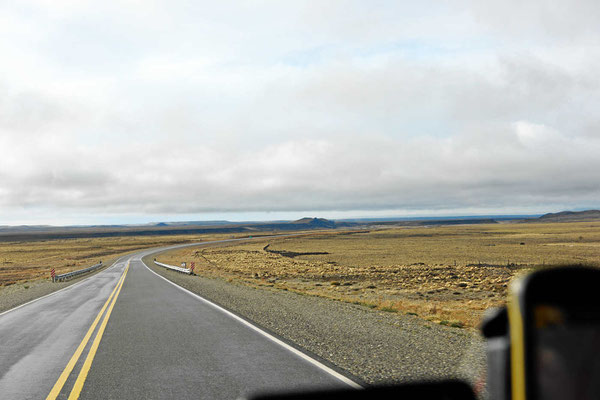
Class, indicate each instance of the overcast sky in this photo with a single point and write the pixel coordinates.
(139, 111)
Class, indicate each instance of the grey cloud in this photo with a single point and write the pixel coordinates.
(27, 112)
(556, 20)
(339, 176)
(222, 122)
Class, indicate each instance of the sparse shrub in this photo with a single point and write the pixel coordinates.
(444, 322)
(412, 313)
(457, 324)
(26, 286)
(388, 309)
(335, 283)
(371, 287)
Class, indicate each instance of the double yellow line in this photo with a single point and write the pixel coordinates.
(76, 391)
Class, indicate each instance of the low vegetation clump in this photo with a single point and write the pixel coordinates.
(448, 274)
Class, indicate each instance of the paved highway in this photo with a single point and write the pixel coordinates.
(126, 332)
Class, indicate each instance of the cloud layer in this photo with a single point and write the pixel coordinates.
(184, 109)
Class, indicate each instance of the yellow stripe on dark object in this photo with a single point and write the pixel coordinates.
(517, 343)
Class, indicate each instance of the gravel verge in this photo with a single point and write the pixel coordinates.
(376, 347)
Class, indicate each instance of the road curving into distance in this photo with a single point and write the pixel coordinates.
(127, 332)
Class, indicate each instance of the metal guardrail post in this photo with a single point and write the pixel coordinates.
(62, 277)
(178, 269)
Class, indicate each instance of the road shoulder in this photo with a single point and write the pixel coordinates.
(375, 346)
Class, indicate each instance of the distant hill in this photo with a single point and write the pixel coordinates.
(254, 228)
(315, 222)
(191, 223)
(570, 216)
(8, 233)
(44, 232)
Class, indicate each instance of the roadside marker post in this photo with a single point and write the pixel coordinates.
(192, 266)
(52, 274)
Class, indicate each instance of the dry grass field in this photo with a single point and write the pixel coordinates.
(33, 260)
(447, 274)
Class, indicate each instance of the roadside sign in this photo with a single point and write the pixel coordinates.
(183, 264)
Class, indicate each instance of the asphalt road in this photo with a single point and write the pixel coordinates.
(128, 333)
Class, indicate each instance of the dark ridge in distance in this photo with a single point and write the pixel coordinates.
(252, 229)
(435, 222)
(45, 232)
(501, 217)
(570, 216)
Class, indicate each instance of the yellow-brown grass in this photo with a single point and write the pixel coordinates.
(32, 260)
(446, 274)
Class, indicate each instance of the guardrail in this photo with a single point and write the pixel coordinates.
(174, 268)
(69, 275)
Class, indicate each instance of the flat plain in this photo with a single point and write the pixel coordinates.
(25, 261)
(446, 274)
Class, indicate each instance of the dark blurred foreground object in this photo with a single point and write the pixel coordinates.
(554, 328)
(544, 345)
(443, 390)
(494, 329)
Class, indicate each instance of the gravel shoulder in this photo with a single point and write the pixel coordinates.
(376, 347)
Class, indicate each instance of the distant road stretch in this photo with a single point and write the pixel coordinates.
(128, 333)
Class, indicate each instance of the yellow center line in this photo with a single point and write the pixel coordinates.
(92, 353)
(71, 364)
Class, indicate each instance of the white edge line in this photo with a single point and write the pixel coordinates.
(297, 352)
(60, 290)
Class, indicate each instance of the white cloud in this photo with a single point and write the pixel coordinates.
(149, 108)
